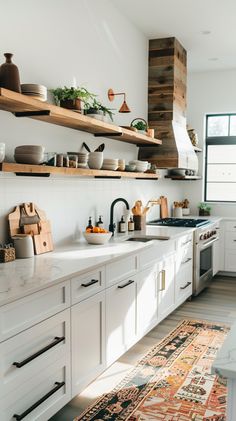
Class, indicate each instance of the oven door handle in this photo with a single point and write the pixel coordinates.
(212, 240)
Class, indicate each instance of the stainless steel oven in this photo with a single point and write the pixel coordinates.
(205, 237)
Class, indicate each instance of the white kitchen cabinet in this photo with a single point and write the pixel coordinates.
(87, 341)
(24, 355)
(41, 396)
(120, 318)
(121, 269)
(147, 300)
(90, 283)
(216, 257)
(230, 246)
(32, 309)
(183, 270)
(166, 286)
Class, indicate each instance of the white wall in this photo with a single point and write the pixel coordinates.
(54, 42)
(209, 92)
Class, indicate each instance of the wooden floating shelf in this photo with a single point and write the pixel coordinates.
(26, 169)
(184, 177)
(19, 103)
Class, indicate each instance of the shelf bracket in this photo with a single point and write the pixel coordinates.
(107, 176)
(31, 113)
(108, 134)
(32, 174)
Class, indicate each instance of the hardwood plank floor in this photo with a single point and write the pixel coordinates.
(216, 303)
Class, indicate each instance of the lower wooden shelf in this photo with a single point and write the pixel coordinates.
(42, 170)
(184, 177)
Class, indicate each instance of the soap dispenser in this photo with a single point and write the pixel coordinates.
(122, 225)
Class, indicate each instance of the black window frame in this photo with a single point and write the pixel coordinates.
(217, 140)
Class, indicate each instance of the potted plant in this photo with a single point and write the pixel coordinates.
(204, 209)
(71, 98)
(97, 110)
(140, 125)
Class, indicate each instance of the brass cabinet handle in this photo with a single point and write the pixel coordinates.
(163, 280)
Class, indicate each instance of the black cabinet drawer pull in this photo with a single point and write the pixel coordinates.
(56, 341)
(186, 261)
(92, 282)
(125, 285)
(185, 286)
(36, 404)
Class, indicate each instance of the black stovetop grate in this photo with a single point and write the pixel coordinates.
(179, 222)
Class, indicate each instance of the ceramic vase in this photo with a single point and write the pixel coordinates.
(9, 74)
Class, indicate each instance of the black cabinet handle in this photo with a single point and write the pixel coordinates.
(186, 261)
(56, 341)
(185, 286)
(92, 282)
(125, 285)
(36, 404)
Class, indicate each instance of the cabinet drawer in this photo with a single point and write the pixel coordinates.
(230, 240)
(230, 260)
(230, 226)
(46, 393)
(155, 253)
(183, 285)
(185, 242)
(120, 269)
(86, 285)
(31, 351)
(34, 308)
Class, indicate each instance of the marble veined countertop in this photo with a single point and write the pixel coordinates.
(225, 362)
(25, 276)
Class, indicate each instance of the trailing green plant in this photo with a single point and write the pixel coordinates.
(62, 94)
(98, 106)
(204, 206)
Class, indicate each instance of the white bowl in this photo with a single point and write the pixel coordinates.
(109, 167)
(97, 238)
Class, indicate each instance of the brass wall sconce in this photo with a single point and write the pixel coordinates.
(124, 107)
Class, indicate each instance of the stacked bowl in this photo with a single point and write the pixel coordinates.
(35, 91)
(110, 164)
(2, 152)
(141, 166)
(29, 154)
(82, 159)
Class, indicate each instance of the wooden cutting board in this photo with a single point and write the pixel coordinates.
(40, 228)
(164, 213)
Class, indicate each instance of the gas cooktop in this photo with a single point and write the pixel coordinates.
(179, 222)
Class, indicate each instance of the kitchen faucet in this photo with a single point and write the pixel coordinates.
(112, 225)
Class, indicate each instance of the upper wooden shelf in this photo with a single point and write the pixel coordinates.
(27, 169)
(18, 103)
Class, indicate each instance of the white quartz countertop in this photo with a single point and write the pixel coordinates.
(25, 276)
(225, 362)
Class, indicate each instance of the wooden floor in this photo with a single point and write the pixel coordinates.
(216, 303)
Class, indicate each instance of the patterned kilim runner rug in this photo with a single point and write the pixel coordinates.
(173, 382)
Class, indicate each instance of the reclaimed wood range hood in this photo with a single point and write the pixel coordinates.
(167, 106)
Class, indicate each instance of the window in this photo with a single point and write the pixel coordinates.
(220, 173)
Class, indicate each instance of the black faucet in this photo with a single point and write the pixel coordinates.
(112, 225)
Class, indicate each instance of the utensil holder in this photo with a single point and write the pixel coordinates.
(139, 222)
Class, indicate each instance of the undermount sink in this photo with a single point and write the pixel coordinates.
(149, 238)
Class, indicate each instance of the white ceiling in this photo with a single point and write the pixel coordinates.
(187, 20)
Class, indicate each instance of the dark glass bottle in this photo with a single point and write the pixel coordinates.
(89, 226)
(9, 75)
(100, 222)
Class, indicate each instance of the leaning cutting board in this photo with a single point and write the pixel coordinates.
(164, 207)
(27, 218)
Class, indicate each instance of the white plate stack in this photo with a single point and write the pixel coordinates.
(35, 91)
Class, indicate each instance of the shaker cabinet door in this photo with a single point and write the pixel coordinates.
(166, 293)
(147, 300)
(87, 341)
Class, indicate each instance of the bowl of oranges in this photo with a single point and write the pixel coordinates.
(97, 235)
